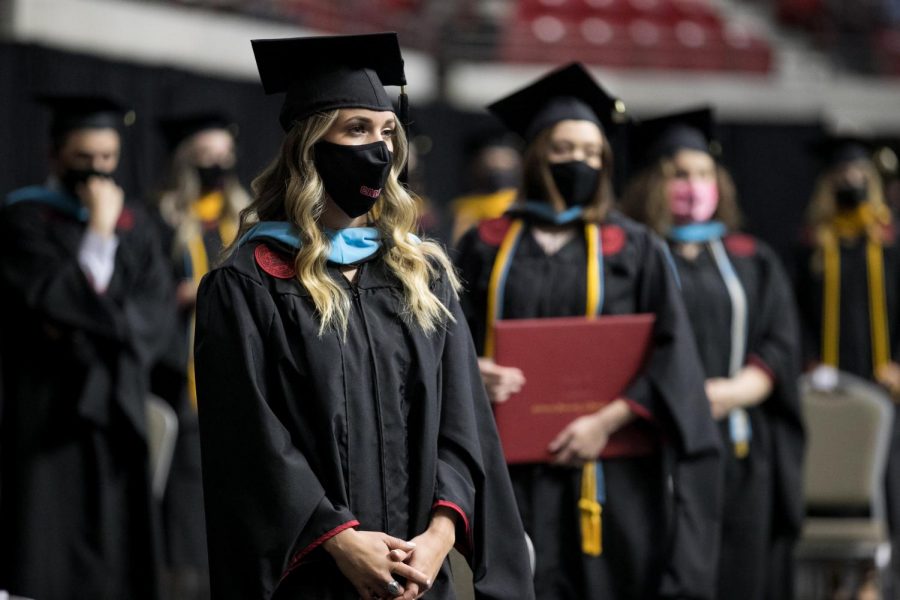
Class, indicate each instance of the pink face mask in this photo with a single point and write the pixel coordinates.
(692, 201)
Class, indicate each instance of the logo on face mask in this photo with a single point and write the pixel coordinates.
(367, 191)
(353, 176)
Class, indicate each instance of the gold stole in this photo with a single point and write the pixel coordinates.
(206, 209)
(847, 226)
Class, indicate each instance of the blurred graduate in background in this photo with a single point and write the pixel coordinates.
(603, 525)
(741, 308)
(198, 210)
(848, 283)
(495, 171)
(86, 292)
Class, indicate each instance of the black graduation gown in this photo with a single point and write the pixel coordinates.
(854, 343)
(183, 519)
(763, 500)
(661, 517)
(80, 523)
(304, 435)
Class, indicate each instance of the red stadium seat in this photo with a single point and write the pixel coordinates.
(638, 34)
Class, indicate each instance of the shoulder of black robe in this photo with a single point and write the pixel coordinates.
(267, 506)
(128, 324)
(774, 344)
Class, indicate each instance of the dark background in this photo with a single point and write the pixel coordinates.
(770, 164)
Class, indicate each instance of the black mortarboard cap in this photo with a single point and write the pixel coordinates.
(324, 73)
(656, 138)
(177, 128)
(569, 93)
(71, 112)
(834, 150)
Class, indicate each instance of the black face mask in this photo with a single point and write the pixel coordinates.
(576, 181)
(353, 175)
(72, 178)
(849, 197)
(500, 179)
(212, 177)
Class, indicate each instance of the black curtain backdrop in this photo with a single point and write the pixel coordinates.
(773, 171)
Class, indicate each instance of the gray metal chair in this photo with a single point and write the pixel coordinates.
(162, 431)
(848, 424)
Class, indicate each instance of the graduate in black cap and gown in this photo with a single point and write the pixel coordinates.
(848, 283)
(198, 211)
(741, 308)
(848, 291)
(85, 291)
(347, 441)
(495, 167)
(561, 250)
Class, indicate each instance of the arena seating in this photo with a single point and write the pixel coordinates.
(693, 35)
(634, 34)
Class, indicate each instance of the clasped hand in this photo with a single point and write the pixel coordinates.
(371, 560)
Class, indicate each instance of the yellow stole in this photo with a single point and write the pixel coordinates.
(206, 209)
(589, 505)
(849, 226)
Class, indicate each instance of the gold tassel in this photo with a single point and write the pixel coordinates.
(591, 511)
(741, 449)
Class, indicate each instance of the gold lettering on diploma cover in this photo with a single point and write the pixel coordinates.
(565, 408)
(574, 395)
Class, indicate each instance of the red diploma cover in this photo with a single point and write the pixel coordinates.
(573, 366)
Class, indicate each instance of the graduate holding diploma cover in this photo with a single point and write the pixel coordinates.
(639, 526)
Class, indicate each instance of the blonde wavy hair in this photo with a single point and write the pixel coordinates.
(183, 189)
(290, 189)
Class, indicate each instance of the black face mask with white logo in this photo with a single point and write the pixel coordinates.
(72, 178)
(850, 196)
(353, 176)
(576, 181)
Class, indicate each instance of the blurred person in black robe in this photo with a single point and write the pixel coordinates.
(848, 279)
(85, 292)
(741, 308)
(848, 284)
(495, 166)
(660, 514)
(198, 212)
(341, 411)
